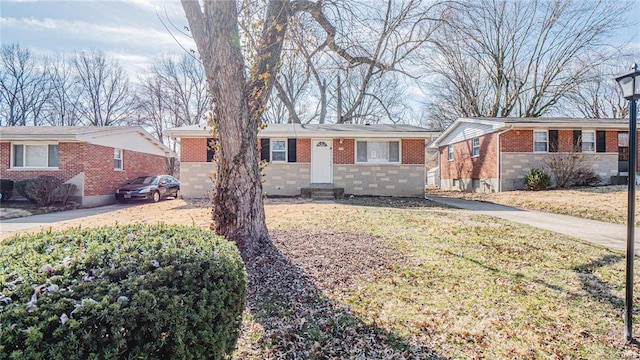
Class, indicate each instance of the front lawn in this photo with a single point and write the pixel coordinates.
(603, 203)
(349, 281)
(397, 278)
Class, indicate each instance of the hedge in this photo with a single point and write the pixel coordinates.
(138, 291)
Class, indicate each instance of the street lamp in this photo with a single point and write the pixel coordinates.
(630, 86)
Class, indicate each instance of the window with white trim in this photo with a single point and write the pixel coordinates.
(35, 155)
(117, 159)
(476, 147)
(540, 141)
(450, 152)
(279, 150)
(378, 152)
(588, 141)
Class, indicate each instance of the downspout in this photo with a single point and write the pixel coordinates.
(499, 158)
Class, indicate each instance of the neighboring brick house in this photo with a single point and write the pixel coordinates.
(95, 159)
(494, 154)
(385, 160)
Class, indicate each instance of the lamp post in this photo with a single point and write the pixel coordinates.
(630, 86)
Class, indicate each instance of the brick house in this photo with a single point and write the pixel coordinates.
(494, 154)
(386, 160)
(95, 159)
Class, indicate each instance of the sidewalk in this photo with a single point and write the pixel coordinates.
(27, 222)
(613, 236)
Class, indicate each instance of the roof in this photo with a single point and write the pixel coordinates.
(75, 134)
(319, 130)
(484, 125)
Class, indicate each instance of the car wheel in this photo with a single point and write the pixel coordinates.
(155, 197)
(177, 195)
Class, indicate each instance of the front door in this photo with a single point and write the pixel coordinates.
(321, 164)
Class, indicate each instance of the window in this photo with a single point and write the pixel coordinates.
(540, 141)
(35, 156)
(378, 151)
(117, 159)
(476, 147)
(450, 152)
(588, 141)
(279, 150)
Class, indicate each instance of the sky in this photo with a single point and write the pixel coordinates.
(131, 31)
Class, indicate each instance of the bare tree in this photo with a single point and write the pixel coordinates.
(239, 97)
(63, 104)
(105, 96)
(501, 58)
(173, 93)
(356, 93)
(600, 97)
(24, 86)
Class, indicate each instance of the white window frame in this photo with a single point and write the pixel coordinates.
(450, 155)
(286, 150)
(546, 132)
(121, 159)
(475, 149)
(592, 132)
(24, 160)
(355, 150)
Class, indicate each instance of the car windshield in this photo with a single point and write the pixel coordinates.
(145, 180)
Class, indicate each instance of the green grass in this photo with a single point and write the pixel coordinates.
(478, 287)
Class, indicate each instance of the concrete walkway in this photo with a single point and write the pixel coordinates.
(27, 222)
(613, 236)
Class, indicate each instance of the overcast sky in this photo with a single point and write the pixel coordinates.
(131, 30)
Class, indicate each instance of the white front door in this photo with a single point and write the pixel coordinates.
(321, 164)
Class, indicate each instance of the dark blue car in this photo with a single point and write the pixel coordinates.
(151, 188)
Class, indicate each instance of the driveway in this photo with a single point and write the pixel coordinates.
(27, 222)
(613, 236)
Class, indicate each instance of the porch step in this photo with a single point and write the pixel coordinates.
(322, 192)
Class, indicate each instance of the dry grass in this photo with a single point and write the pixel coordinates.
(604, 203)
(370, 278)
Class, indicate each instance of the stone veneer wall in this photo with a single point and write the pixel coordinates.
(516, 165)
(195, 179)
(467, 185)
(285, 179)
(380, 180)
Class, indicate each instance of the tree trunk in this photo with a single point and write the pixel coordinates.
(238, 208)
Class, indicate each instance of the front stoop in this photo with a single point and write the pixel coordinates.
(322, 192)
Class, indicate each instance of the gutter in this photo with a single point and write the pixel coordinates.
(499, 158)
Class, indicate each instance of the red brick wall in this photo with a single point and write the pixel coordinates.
(102, 179)
(303, 150)
(611, 141)
(347, 154)
(464, 166)
(70, 163)
(412, 151)
(517, 141)
(193, 149)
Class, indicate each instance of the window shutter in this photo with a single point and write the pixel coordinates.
(553, 140)
(210, 151)
(601, 141)
(264, 149)
(291, 150)
(577, 140)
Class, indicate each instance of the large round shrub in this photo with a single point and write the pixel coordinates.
(126, 292)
